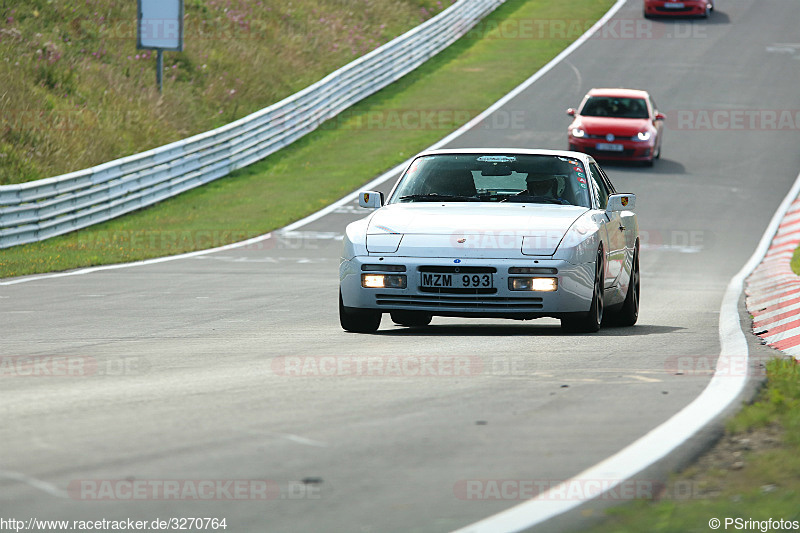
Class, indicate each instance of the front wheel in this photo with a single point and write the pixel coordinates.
(358, 320)
(629, 313)
(590, 321)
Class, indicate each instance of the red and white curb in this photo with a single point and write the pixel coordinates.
(773, 289)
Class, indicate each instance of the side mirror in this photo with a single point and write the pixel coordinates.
(571, 112)
(370, 199)
(660, 116)
(621, 202)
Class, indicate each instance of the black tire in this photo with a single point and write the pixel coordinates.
(358, 320)
(590, 321)
(628, 314)
(411, 319)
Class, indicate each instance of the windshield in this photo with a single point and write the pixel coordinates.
(610, 106)
(494, 178)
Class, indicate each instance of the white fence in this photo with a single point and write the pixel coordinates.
(42, 209)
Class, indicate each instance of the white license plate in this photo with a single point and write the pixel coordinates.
(456, 281)
(674, 5)
(610, 147)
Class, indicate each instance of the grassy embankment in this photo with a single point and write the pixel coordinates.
(329, 163)
(753, 473)
(75, 92)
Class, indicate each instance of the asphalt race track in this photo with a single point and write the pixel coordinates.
(213, 368)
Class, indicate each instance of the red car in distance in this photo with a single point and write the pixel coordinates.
(680, 8)
(617, 125)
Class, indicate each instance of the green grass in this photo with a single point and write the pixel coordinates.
(75, 92)
(764, 484)
(329, 163)
(796, 261)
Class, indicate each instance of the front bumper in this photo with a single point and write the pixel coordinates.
(574, 293)
(632, 150)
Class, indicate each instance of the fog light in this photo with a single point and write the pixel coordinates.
(533, 284)
(383, 281)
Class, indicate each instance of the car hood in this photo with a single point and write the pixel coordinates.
(620, 127)
(470, 229)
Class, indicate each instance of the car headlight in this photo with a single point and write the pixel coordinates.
(533, 284)
(643, 136)
(578, 133)
(383, 281)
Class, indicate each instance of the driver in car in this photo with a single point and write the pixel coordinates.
(543, 186)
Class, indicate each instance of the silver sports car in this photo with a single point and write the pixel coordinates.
(503, 233)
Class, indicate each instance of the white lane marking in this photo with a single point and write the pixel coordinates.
(672, 248)
(35, 483)
(579, 82)
(783, 48)
(82, 271)
(270, 260)
(312, 235)
(302, 440)
(721, 391)
(292, 437)
(349, 210)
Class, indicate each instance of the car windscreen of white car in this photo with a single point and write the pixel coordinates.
(517, 178)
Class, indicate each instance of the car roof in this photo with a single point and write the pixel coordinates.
(622, 93)
(511, 151)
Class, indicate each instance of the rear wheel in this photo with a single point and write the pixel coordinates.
(358, 320)
(590, 321)
(411, 319)
(629, 313)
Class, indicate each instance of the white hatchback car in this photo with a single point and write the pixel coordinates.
(505, 233)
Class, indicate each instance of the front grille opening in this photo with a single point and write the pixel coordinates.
(449, 290)
(445, 301)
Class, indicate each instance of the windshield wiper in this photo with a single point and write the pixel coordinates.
(433, 197)
(533, 199)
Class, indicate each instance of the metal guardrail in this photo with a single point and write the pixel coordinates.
(38, 210)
